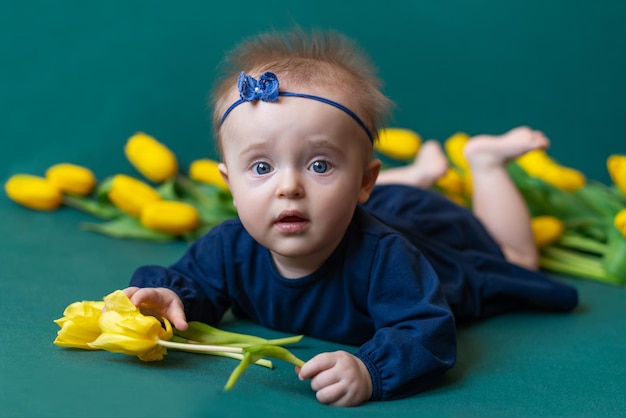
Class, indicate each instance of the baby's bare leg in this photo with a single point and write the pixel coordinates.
(496, 200)
(429, 165)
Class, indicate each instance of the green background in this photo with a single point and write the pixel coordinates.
(79, 77)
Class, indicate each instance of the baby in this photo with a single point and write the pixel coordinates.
(319, 248)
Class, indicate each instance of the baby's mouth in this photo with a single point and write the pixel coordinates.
(291, 222)
(291, 218)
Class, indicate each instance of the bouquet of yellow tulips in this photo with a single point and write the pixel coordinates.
(173, 206)
(117, 326)
(579, 225)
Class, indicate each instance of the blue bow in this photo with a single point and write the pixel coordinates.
(265, 88)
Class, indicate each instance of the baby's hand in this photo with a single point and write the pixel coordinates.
(159, 302)
(338, 378)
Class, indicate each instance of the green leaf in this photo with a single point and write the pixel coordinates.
(167, 190)
(614, 260)
(543, 198)
(600, 198)
(127, 227)
(92, 207)
(253, 354)
(206, 334)
(102, 191)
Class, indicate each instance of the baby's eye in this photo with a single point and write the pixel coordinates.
(319, 167)
(261, 169)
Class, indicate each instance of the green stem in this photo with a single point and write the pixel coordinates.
(200, 348)
(578, 242)
(558, 266)
(577, 260)
(181, 344)
(189, 187)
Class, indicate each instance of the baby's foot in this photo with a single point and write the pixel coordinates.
(483, 151)
(429, 165)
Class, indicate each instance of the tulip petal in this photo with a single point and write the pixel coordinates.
(119, 301)
(119, 343)
(131, 195)
(170, 216)
(72, 178)
(33, 192)
(150, 157)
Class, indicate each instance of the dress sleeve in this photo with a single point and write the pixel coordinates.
(415, 339)
(197, 278)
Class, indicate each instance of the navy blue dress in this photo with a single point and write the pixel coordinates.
(477, 280)
(379, 290)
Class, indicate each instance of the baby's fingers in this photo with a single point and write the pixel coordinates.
(176, 315)
(316, 365)
(159, 302)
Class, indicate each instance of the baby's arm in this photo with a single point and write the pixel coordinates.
(160, 302)
(338, 378)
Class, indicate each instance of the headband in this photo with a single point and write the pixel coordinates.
(266, 90)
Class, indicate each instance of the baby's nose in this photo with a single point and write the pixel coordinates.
(290, 186)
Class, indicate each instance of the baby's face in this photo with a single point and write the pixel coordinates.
(297, 169)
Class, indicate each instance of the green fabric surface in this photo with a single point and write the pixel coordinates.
(78, 78)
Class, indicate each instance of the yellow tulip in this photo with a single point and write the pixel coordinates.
(131, 195)
(398, 143)
(451, 182)
(79, 325)
(620, 222)
(71, 178)
(565, 178)
(616, 165)
(537, 163)
(534, 162)
(546, 230)
(126, 330)
(454, 149)
(206, 171)
(455, 187)
(170, 216)
(33, 192)
(150, 157)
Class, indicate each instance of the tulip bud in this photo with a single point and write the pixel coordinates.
(546, 230)
(397, 143)
(534, 162)
(131, 195)
(33, 192)
(454, 149)
(616, 165)
(151, 158)
(451, 182)
(206, 171)
(565, 178)
(537, 163)
(72, 178)
(170, 216)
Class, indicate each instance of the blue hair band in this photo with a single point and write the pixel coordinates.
(266, 90)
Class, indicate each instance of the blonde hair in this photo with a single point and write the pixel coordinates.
(307, 59)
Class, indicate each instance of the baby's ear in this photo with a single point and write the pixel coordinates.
(224, 172)
(369, 179)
